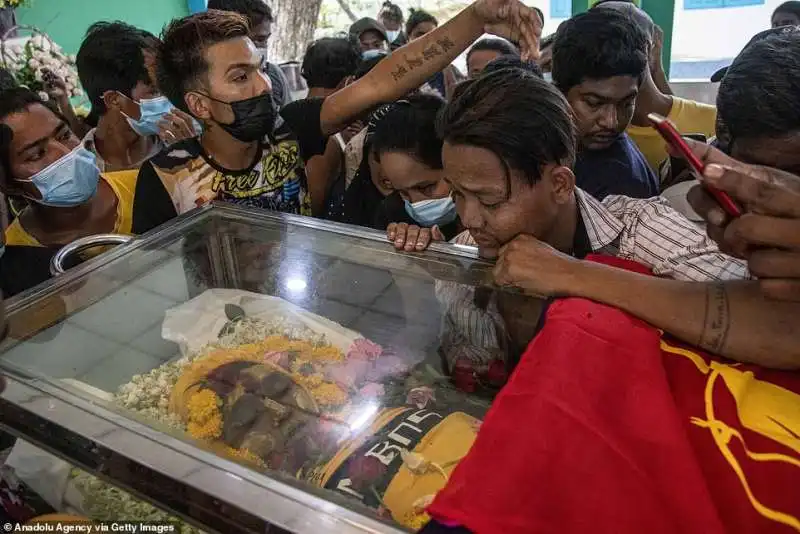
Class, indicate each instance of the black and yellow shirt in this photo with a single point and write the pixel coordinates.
(184, 177)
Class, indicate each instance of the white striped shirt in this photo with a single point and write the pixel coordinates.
(647, 231)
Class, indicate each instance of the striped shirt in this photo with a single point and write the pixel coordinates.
(648, 231)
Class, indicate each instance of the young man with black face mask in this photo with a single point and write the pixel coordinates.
(209, 67)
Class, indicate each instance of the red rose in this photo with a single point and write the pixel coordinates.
(464, 376)
(496, 374)
(365, 471)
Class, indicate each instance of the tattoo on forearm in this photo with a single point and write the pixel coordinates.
(400, 73)
(446, 44)
(717, 319)
(429, 53)
(414, 62)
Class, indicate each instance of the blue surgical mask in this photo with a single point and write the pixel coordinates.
(68, 182)
(392, 35)
(371, 54)
(152, 111)
(438, 211)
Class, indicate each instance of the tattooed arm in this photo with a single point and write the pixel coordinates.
(407, 68)
(732, 319)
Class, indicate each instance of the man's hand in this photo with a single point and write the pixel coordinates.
(176, 126)
(514, 21)
(768, 234)
(54, 86)
(535, 267)
(410, 237)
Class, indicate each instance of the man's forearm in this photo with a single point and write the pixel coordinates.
(404, 70)
(731, 319)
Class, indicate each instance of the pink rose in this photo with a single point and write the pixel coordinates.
(349, 374)
(372, 390)
(420, 397)
(364, 349)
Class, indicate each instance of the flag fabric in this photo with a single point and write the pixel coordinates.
(606, 425)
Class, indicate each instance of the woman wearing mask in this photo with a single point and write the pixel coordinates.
(409, 155)
(46, 164)
(391, 16)
(442, 83)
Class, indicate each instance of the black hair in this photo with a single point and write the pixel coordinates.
(256, 11)
(522, 119)
(182, 56)
(758, 95)
(417, 17)
(7, 80)
(601, 2)
(14, 100)
(598, 44)
(512, 62)
(111, 58)
(501, 46)
(328, 61)
(633, 12)
(410, 126)
(792, 7)
(392, 12)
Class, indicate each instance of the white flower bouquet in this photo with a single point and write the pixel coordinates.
(12, 3)
(30, 63)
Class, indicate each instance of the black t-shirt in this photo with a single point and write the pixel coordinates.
(183, 177)
(23, 267)
(617, 170)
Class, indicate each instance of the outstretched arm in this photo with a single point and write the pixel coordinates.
(732, 318)
(409, 67)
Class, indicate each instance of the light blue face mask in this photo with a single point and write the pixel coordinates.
(68, 182)
(152, 111)
(438, 211)
(371, 54)
(392, 35)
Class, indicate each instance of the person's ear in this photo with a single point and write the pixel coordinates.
(199, 106)
(562, 182)
(113, 100)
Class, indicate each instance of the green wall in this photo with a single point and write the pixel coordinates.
(66, 21)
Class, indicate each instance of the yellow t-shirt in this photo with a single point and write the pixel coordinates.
(689, 117)
(123, 183)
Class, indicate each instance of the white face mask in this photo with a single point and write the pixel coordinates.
(392, 35)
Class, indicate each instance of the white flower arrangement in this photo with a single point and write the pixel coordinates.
(29, 63)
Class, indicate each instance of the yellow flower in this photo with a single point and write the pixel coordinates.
(327, 353)
(328, 394)
(416, 521)
(245, 455)
(205, 419)
(310, 381)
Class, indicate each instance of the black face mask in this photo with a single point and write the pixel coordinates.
(253, 118)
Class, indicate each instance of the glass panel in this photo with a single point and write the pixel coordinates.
(318, 355)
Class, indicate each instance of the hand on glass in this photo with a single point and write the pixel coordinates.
(534, 267)
(176, 126)
(767, 235)
(514, 21)
(410, 237)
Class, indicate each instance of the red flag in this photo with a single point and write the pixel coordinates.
(606, 427)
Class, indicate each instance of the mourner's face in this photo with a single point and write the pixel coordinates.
(40, 139)
(234, 74)
(603, 109)
(496, 205)
(414, 180)
(478, 60)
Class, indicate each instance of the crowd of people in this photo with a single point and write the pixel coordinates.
(541, 156)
